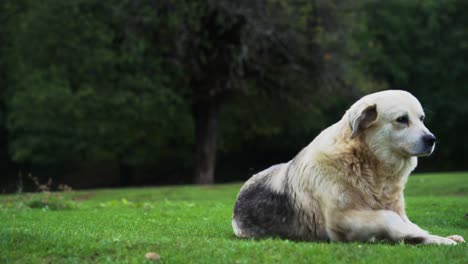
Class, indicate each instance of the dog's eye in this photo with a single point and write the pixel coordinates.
(421, 118)
(402, 119)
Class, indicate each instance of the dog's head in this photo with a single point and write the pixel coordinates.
(391, 121)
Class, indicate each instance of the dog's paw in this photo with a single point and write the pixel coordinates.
(456, 238)
(437, 240)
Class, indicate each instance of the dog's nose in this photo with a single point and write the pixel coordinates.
(429, 140)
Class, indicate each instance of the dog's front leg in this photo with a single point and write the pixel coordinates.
(368, 225)
(406, 220)
(399, 208)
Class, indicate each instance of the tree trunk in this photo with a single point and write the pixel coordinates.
(205, 115)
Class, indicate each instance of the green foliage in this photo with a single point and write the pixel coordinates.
(309, 76)
(421, 46)
(193, 224)
(50, 201)
(117, 80)
(91, 87)
(44, 200)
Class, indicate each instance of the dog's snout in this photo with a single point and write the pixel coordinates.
(429, 140)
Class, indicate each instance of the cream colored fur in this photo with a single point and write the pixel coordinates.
(350, 179)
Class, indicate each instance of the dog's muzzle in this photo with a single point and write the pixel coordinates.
(429, 141)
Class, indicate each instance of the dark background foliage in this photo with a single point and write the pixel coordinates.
(133, 92)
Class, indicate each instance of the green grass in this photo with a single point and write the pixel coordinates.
(193, 225)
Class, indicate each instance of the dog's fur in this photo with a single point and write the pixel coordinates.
(347, 185)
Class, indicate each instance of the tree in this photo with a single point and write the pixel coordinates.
(84, 88)
(8, 9)
(290, 49)
(124, 80)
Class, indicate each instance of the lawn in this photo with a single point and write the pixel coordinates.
(193, 225)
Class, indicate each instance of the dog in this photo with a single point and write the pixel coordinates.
(347, 184)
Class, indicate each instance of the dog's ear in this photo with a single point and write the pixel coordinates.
(363, 118)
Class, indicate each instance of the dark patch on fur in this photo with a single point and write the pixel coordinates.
(413, 240)
(260, 212)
